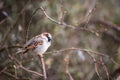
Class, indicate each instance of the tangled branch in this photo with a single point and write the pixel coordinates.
(95, 61)
(22, 67)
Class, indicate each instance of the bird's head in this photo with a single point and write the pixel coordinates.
(47, 36)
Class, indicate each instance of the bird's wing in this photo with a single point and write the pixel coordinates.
(32, 43)
(29, 42)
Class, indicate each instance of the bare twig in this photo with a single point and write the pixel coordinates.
(86, 50)
(87, 20)
(33, 72)
(3, 70)
(9, 74)
(104, 67)
(28, 27)
(55, 21)
(114, 61)
(95, 65)
(107, 24)
(10, 47)
(3, 20)
(89, 15)
(65, 24)
(62, 13)
(67, 67)
(13, 26)
(96, 70)
(6, 35)
(43, 66)
(90, 53)
(113, 36)
(22, 67)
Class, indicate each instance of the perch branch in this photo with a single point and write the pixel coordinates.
(43, 66)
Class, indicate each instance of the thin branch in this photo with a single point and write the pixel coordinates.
(93, 58)
(104, 67)
(43, 66)
(33, 72)
(13, 26)
(85, 50)
(96, 70)
(113, 36)
(3, 20)
(114, 61)
(55, 21)
(10, 47)
(67, 25)
(22, 67)
(62, 13)
(3, 70)
(89, 15)
(9, 74)
(95, 65)
(28, 27)
(105, 23)
(73, 48)
(67, 67)
(6, 35)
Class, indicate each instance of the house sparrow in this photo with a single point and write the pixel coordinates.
(38, 44)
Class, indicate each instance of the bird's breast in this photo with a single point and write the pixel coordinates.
(41, 48)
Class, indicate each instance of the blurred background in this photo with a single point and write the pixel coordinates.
(97, 24)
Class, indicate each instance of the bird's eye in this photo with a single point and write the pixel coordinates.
(49, 39)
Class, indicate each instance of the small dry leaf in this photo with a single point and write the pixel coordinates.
(97, 34)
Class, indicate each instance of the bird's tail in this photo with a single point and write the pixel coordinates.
(23, 51)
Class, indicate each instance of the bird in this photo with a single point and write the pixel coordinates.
(38, 44)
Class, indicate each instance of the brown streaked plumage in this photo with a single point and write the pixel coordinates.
(38, 43)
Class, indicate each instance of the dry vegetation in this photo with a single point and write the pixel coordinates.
(86, 39)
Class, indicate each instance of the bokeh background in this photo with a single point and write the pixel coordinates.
(15, 16)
